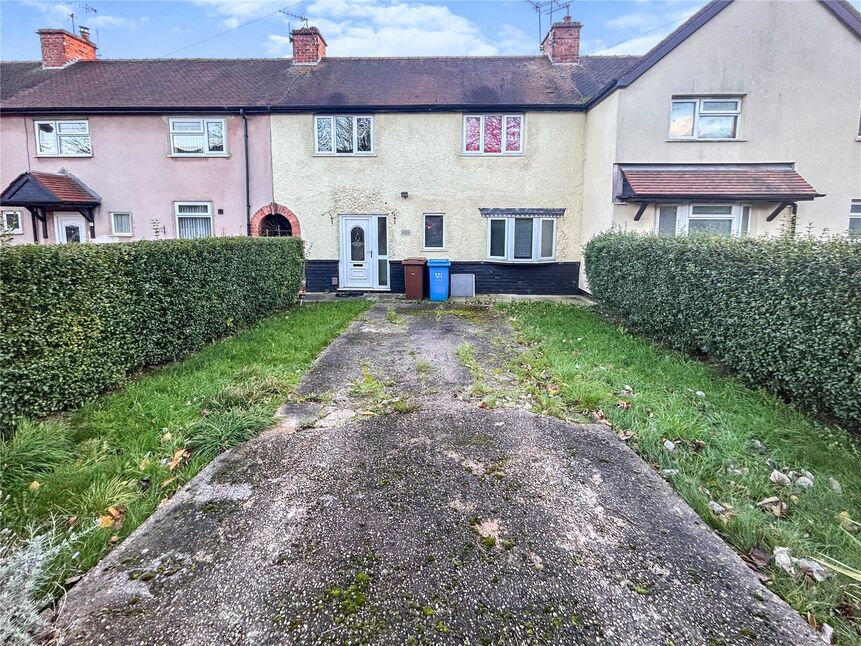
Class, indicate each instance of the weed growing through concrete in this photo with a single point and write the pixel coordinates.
(393, 317)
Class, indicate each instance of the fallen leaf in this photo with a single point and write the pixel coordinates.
(34, 486)
(167, 482)
(114, 538)
(697, 445)
(624, 405)
(759, 557)
(115, 512)
(178, 456)
(106, 521)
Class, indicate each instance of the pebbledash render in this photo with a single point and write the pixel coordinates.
(504, 165)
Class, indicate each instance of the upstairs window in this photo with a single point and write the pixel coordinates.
(63, 138)
(344, 135)
(493, 134)
(12, 222)
(855, 219)
(193, 220)
(190, 137)
(705, 118)
(521, 239)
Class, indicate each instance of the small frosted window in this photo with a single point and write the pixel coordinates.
(493, 133)
(473, 134)
(667, 221)
(512, 134)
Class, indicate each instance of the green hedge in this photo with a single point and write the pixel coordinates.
(76, 320)
(782, 314)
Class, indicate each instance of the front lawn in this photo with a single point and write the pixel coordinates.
(115, 459)
(728, 439)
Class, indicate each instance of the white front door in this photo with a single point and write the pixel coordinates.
(71, 227)
(358, 251)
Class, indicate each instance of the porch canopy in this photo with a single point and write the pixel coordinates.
(40, 192)
(770, 183)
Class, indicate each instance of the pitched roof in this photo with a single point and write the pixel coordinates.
(35, 188)
(17, 76)
(335, 83)
(764, 182)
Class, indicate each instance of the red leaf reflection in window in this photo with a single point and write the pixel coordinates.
(473, 134)
(493, 133)
(512, 134)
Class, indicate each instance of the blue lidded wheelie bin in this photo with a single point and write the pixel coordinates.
(438, 269)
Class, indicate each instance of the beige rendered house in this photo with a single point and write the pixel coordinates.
(744, 121)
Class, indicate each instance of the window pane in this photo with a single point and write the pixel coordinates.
(363, 134)
(493, 133)
(187, 126)
(188, 144)
(382, 237)
(716, 127)
(745, 219)
(11, 220)
(433, 231)
(712, 209)
(357, 244)
(714, 226)
(192, 227)
(668, 221)
(75, 145)
(215, 136)
(512, 134)
(546, 238)
(72, 233)
(497, 238)
(855, 208)
(324, 135)
(122, 223)
(720, 106)
(383, 272)
(682, 119)
(47, 139)
(192, 209)
(344, 134)
(522, 238)
(473, 134)
(855, 227)
(72, 127)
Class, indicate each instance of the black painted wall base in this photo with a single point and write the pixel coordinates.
(550, 279)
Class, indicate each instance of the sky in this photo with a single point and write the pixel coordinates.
(256, 28)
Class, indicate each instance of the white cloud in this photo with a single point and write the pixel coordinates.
(636, 20)
(397, 28)
(654, 24)
(637, 45)
(58, 14)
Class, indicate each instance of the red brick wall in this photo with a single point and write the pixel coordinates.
(563, 42)
(308, 46)
(59, 48)
(257, 218)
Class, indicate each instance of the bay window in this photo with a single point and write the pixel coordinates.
(493, 134)
(521, 239)
(693, 219)
(64, 138)
(344, 135)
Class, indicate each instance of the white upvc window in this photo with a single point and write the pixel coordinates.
(63, 138)
(198, 137)
(521, 239)
(493, 134)
(193, 220)
(715, 219)
(344, 135)
(705, 118)
(121, 223)
(434, 231)
(855, 219)
(12, 223)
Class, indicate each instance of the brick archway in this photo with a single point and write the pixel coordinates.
(269, 209)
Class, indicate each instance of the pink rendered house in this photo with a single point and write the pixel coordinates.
(117, 150)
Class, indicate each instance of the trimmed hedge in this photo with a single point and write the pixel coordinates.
(782, 314)
(76, 320)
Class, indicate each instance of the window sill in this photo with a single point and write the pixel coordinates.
(46, 156)
(123, 235)
(492, 155)
(706, 141)
(432, 249)
(345, 155)
(218, 156)
(502, 261)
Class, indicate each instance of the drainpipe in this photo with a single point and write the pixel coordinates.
(247, 176)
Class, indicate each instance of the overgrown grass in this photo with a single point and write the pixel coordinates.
(119, 456)
(728, 438)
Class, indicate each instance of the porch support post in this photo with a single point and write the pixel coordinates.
(33, 220)
(640, 211)
(88, 214)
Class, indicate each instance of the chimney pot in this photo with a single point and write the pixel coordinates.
(85, 33)
(309, 47)
(562, 43)
(60, 48)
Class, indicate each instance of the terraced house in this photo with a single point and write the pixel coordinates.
(505, 165)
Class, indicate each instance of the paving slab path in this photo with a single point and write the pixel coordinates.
(388, 507)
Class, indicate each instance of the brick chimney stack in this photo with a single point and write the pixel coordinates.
(309, 48)
(562, 43)
(60, 48)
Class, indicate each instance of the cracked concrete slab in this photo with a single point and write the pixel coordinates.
(389, 508)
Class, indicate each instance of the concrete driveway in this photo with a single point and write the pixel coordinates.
(389, 508)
